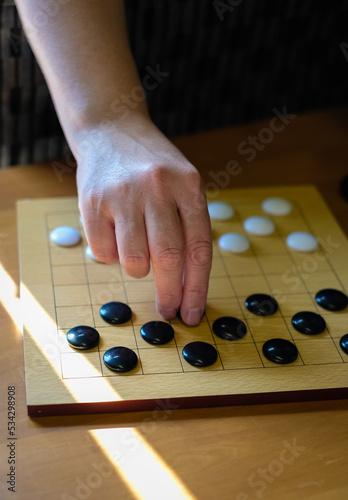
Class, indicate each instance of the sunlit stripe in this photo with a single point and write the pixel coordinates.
(9, 298)
(141, 468)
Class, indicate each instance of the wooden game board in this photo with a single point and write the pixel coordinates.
(62, 288)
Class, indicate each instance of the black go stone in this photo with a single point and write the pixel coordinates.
(199, 354)
(229, 328)
(280, 351)
(115, 313)
(261, 304)
(344, 343)
(308, 323)
(83, 337)
(157, 332)
(120, 359)
(332, 300)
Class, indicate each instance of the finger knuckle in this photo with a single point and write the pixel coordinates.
(170, 258)
(200, 253)
(194, 177)
(90, 201)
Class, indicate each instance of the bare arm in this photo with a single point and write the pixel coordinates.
(139, 197)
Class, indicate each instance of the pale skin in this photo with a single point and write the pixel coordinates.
(140, 199)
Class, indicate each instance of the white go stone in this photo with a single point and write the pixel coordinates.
(220, 211)
(276, 206)
(65, 236)
(232, 242)
(89, 254)
(261, 226)
(302, 242)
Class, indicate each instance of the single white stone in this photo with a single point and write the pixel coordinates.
(276, 206)
(302, 242)
(65, 236)
(262, 226)
(89, 254)
(220, 211)
(232, 242)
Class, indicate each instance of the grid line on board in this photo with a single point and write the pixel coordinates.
(333, 271)
(265, 278)
(296, 269)
(227, 274)
(239, 304)
(269, 285)
(52, 284)
(89, 293)
(299, 274)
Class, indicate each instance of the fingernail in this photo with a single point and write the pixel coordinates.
(168, 313)
(194, 316)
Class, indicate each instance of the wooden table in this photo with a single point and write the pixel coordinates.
(280, 451)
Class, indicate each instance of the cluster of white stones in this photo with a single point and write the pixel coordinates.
(260, 226)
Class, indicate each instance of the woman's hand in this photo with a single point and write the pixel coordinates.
(141, 201)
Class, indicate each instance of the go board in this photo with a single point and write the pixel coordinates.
(62, 288)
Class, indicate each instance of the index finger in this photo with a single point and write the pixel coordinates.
(196, 229)
(166, 250)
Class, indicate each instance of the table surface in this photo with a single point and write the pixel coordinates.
(287, 451)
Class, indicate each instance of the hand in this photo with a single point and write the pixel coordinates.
(141, 200)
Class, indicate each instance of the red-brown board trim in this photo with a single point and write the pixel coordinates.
(181, 403)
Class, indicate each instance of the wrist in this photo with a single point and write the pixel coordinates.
(90, 133)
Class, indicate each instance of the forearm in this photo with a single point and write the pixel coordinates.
(84, 54)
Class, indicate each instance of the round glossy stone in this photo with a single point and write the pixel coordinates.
(199, 354)
(261, 304)
(344, 343)
(89, 254)
(332, 300)
(302, 241)
(157, 332)
(344, 188)
(276, 206)
(83, 337)
(309, 323)
(280, 351)
(229, 328)
(65, 236)
(233, 242)
(220, 211)
(115, 313)
(120, 359)
(261, 226)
